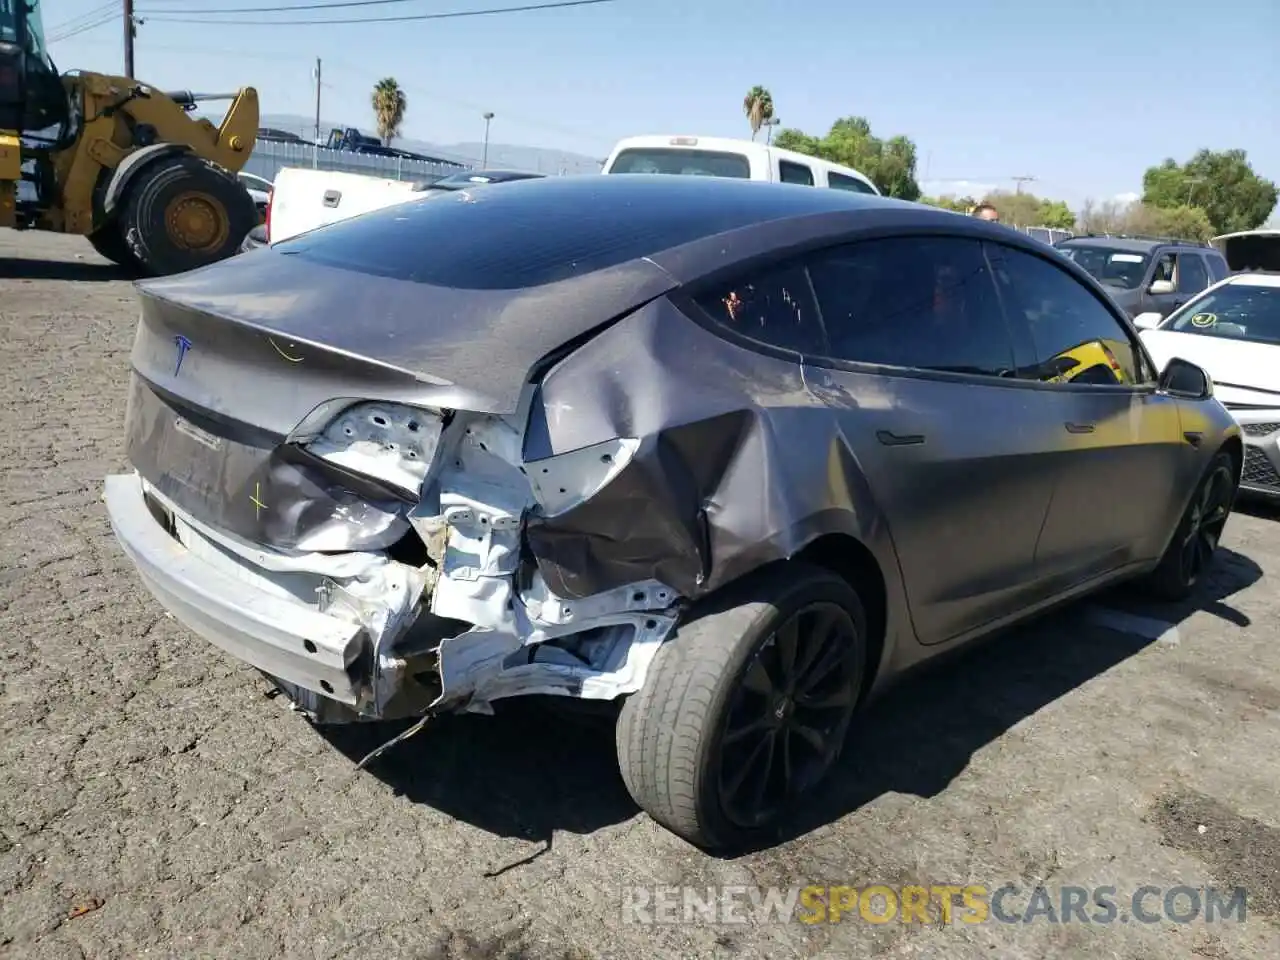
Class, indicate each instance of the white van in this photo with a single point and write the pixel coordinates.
(726, 157)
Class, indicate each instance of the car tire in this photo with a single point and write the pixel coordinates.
(687, 735)
(1194, 544)
(184, 213)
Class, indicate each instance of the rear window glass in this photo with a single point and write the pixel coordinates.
(534, 232)
(681, 162)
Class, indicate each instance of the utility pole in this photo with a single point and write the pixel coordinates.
(130, 31)
(317, 100)
(1020, 181)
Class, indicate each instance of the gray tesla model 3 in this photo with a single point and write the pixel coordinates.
(728, 454)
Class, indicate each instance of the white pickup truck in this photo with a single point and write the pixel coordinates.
(303, 199)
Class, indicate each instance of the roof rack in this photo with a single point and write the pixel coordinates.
(1178, 241)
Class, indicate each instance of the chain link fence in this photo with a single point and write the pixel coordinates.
(269, 156)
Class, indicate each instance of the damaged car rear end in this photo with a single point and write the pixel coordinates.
(334, 475)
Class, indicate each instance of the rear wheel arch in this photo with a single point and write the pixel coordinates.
(1234, 446)
(852, 560)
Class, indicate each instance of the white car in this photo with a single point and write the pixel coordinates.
(1232, 330)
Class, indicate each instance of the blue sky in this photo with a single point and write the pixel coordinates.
(1081, 95)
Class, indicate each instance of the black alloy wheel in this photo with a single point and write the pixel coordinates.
(789, 715)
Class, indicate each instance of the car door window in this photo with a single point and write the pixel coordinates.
(1192, 273)
(1076, 338)
(773, 307)
(799, 173)
(918, 302)
(1164, 268)
(1217, 267)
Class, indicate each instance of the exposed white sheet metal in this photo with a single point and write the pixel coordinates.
(389, 441)
(562, 483)
(484, 491)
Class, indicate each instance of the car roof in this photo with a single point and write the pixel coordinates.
(1134, 244)
(535, 232)
(1250, 279)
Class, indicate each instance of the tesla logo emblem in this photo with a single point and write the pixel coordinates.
(183, 345)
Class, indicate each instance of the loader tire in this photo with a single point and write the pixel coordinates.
(109, 242)
(184, 213)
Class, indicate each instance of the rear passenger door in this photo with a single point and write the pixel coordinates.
(790, 171)
(920, 373)
(1193, 276)
(1120, 443)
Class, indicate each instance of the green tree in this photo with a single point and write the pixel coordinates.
(1184, 222)
(1222, 184)
(389, 106)
(1055, 213)
(949, 202)
(758, 106)
(891, 164)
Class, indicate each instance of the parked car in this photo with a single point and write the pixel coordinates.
(731, 453)
(259, 189)
(1232, 330)
(1145, 275)
(734, 159)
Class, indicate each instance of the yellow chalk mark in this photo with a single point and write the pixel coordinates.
(258, 505)
(273, 343)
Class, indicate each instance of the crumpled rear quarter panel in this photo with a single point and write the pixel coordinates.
(740, 463)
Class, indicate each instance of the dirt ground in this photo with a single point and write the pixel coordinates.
(155, 801)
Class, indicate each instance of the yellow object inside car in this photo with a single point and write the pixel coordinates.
(1090, 362)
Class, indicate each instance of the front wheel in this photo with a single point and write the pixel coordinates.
(745, 710)
(1195, 543)
(185, 213)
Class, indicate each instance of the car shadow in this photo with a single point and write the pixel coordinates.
(939, 718)
(21, 268)
(1260, 507)
(529, 771)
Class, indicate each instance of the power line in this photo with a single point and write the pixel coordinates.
(276, 8)
(348, 20)
(89, 20)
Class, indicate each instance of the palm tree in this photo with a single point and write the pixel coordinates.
(758, 106)
(389, 105)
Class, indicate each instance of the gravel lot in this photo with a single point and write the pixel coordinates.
(154, 801)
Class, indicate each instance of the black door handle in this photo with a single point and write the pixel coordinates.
(1193, 438)
(891, 439)
(1079, 427)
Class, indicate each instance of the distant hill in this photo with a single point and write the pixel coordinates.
(500, 154)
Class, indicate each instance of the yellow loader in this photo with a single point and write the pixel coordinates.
(117, 161)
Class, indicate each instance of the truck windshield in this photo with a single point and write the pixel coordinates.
(1110, 267)
(689, 163)
(11, 13)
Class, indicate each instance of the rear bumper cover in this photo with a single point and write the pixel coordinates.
(282, 637)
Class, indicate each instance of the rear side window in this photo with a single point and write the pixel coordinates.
(927, 303)
(773, 307)
(799, 173)
(1192, 275)
(682, 162)
(839, 181)
(1217, 267)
